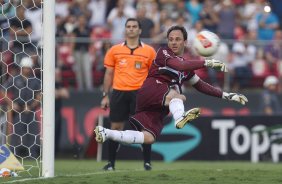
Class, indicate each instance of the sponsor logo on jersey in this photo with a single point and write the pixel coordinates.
(122, 62)
(158, 82)
(165, 53)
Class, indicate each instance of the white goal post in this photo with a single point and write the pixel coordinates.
(27, 87)
(48, 88)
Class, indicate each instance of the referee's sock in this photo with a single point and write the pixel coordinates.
(113, 149)
(147, 153)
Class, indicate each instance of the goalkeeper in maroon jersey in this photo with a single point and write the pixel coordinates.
(161, 93)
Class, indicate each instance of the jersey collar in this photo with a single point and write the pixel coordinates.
(140, 43)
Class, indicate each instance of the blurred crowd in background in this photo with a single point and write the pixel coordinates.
(250, 31)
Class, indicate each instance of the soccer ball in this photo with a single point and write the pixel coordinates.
(4, 172)
(206, 43)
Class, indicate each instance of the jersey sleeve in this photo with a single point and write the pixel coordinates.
(163, 55)
(109, 60)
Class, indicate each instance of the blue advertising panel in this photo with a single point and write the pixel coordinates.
(256, 138)
(225, 131)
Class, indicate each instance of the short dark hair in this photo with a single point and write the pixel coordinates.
(180, 28)
(135, 20)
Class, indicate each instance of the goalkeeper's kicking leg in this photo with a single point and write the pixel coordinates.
(140, 137)
(145, 136)
(126, 136)
(148, 124)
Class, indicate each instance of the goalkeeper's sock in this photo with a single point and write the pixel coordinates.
(127, 136)
(176, 107)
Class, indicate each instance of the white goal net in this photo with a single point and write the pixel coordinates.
(21, 86)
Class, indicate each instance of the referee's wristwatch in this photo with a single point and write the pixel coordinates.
(105, 94)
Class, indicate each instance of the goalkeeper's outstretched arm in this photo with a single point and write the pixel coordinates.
(190, 65)
(208, 89)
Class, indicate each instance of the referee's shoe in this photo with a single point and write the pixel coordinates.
(109, 167)
(147, 166)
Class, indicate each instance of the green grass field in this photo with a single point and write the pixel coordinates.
(128, 172)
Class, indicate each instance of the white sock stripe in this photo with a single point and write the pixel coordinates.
(176, 107)
(175, 100)
(132, 136)
(127, 136)
(121, 135)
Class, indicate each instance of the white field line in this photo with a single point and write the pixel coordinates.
(85, 174)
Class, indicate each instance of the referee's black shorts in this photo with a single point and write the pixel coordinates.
(122, 105)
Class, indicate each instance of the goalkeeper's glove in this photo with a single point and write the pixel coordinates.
(216, 64)
(235, 97)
